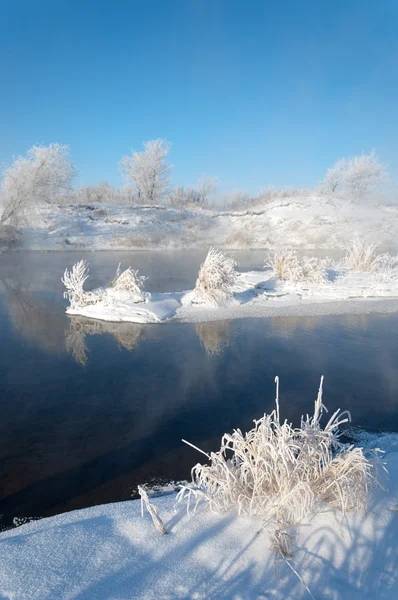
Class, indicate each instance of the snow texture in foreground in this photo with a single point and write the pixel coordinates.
(110, 552)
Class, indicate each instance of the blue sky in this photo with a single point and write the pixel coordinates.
(258, 93)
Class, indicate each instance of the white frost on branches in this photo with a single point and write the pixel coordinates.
(128, 281)
(74, 281)
(359, 175)
(149, 171)
(335, 176)
(41, 177)
(215, 279)
(284, 474)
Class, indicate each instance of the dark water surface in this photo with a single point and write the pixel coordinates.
(88, 410)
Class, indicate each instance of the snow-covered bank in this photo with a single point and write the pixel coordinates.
(309, 221)
(110, 552)
(255, 294)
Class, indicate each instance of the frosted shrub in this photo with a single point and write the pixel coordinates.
(149, 171)
(335, 177)
(360, 256)
(386, 268)
(128, 281)
(287, 266)
(38, 178)
(364, 173)
(283, 474)
(74, 281)
(216, 277)
(358, 175)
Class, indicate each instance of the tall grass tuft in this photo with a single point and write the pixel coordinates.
(128, 281)
(283, 474)
(215, 279)
(287, 266)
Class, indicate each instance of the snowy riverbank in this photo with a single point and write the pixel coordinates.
(110, 552)
(255, 294)
(309, 221)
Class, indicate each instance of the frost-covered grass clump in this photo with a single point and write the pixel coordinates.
(361, 257)
(283, 474)
(216, 277)
(128, 281)
(74, 281)
(287, 266)
(124, 281)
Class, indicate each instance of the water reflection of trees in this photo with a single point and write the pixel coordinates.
(214, 335)
(36, 319)
(127, 335)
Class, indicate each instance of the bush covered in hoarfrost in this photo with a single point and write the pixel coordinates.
(216, 277)
(287, 266)
(124, 281)
(128, 281)
(74, 281)
(283, 474)
(361, 257)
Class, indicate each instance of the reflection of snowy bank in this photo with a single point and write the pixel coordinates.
(288, 286)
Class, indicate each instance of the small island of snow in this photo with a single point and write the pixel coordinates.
(288, 284)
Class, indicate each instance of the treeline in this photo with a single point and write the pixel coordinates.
(45, 175)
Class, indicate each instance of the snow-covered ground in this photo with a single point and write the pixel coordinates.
(110, 552)
(308, 221)
(256, 293)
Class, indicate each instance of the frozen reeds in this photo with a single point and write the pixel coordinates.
(361, 257)
(128, 281)
(287, 266)
(125, 281)
(157, 521)
(283, 474)
(74, 281)
(215, 279)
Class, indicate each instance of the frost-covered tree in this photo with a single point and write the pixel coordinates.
(40, 177)
(364, 173)
(149, 171)
(335, 177)
(358, 175)
(205, 187)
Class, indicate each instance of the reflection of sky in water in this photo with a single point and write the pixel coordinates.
(90, 409)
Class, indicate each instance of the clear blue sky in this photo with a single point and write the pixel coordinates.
(255, 92)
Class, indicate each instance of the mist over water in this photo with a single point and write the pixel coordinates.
(89, 410)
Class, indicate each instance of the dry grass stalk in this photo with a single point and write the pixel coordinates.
(157, 521)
